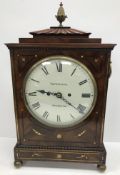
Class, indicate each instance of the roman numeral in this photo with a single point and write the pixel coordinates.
(86, 95)
(81, 108)
(58, 118)
(59, 67)
(36, 105)
(73, 71)
(83, 82)
(32, 94)
(46, 114)
(35, 80)
(45, 70)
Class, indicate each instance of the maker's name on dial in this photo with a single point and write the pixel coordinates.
(59, 84)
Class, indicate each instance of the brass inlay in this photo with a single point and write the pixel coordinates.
(59, 156)
(36, 56)
(82, 133)
(59, 136)
(36, 155)
(23, 59)
(68, 160)
(36, 132)
(49, 150)
(110, 69)
(17, 154)
(82, 56)
(102, 157)
(83, 156)
(96, 60)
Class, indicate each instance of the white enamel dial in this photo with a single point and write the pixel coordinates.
(59, 91)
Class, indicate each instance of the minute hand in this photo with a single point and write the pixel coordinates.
(58, 95)
(66, 101)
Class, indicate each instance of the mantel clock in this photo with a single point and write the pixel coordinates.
(60, 80)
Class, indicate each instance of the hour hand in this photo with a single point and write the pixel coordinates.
(41, 91)
(31, 93)
(46, 92)
(56, 94)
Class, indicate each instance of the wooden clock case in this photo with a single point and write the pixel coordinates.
(81, 143)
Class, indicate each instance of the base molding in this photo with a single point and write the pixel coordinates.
(85, 155)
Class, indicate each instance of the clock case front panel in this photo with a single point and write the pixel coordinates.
(82, 142)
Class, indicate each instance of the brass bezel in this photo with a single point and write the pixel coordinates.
(61, 57)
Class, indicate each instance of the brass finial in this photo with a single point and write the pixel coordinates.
(61, 15)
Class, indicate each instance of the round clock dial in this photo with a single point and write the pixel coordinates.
(59, 91)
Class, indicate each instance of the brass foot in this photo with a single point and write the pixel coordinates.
(101, 167)
(18, 163)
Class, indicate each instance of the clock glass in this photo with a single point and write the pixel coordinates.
(59, 91)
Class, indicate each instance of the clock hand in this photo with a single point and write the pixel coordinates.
(31, 93)
(66, 101)
(42, 91)
(58, 95)
(70, 104)
(46, 92)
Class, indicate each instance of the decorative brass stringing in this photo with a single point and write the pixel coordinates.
(83, 156)
(59, 156)
(82, 133)
(59, 136)
(23, 59)
(36, 132)
(102, 157)
(36, 56)
(94, 142)
(110, 69)
(96, 60)
(82, 56)
(36, 155)
(17, 154)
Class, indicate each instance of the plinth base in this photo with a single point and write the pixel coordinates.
(83, 155)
